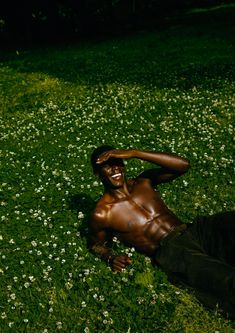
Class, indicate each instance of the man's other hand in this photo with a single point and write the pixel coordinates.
(118, 263)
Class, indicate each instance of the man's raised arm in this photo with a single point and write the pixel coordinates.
(171, 165)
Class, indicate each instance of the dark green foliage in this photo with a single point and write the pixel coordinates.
(28, 22)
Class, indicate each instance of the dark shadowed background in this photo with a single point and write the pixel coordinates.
(29, 22)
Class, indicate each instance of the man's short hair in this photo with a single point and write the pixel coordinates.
(96, 153)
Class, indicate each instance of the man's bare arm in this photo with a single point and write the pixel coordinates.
(172, 166)
(98, 244)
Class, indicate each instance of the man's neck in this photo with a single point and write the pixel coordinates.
(118, 193)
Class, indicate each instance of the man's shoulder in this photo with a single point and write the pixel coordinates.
(139, 181)
(104, 202)
(100, 213)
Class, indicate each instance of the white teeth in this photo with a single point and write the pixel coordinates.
(116, 175)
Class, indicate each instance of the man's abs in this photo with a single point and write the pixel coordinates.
(145, 237)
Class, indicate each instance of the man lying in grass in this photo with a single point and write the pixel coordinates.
(201, 254)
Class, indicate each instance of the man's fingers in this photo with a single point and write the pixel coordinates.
(120, 262)
(117, 267)
(102, 158)
(122, 259)
(128, 261)
(116, 153)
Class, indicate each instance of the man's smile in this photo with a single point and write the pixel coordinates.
(116, 175)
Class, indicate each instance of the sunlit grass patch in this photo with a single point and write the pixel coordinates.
(59, 104)
(223, 6)
(190, 317)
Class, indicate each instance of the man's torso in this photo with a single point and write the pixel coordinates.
(141, 219)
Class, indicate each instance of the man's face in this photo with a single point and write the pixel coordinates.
(112, 173)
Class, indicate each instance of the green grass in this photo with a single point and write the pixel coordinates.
(170, 90)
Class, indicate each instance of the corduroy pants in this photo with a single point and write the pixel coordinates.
(203, 257)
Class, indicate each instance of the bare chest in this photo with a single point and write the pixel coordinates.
(133, 214)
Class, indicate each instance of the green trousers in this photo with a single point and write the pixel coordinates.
(203, 257)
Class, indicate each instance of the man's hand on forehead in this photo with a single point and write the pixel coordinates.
(115, 154)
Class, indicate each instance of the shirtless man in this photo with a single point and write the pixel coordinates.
(133, 211)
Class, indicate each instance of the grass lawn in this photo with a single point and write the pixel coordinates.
(168, 90)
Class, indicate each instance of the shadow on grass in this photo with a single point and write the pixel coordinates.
(83, 204)
(191, 50)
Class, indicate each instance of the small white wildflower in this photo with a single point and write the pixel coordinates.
(13, 296)
(105, 313)
(68, 285)
(59, 325)
(80, 215)
(3, 315)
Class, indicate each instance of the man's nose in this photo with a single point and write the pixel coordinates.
(115, 168)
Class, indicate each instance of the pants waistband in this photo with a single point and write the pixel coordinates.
(178, 230)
